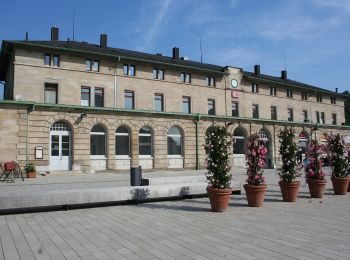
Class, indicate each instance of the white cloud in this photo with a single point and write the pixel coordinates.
(155, 27)
(151, 24)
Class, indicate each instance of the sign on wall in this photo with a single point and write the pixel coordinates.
(39, 152)
(235, 94)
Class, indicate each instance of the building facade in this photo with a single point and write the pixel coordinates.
(84, 107)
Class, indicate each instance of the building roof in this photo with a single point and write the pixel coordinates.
(108, 52)
(272, 80)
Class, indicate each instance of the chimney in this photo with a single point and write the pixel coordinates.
(54, 33)
(103, 40)
(257, 70)
(27, 36)
(176, 53)
(336, 90)
(284, 74)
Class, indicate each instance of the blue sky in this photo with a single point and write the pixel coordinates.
(312, 35)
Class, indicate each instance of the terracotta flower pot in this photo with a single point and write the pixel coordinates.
(340, 185)
(219, 199)
(31, 174)
(289, 190)
(317, 188)
(255, 194)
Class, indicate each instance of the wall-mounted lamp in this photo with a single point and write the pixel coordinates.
(82, 115)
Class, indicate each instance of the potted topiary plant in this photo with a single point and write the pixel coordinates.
(218, 148)
(30, 170)
(315, 176)
(338, 159)
(255, 160)
(290, 169)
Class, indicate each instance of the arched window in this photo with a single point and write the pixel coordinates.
(264, 136)
(98, 140)
(303, 141)
(145, 141)
(239, 145)
(174, 141)
(122, 141)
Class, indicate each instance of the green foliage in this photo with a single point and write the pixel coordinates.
(337, 154)
(290, 169)
(30, 167)
(218, 147)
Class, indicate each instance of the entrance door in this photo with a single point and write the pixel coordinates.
(60, 147)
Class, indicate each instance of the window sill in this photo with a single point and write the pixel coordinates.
(98, 157)
(145, 157)
(124, 157)
(175, 156)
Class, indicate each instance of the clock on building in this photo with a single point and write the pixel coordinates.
(234, 83)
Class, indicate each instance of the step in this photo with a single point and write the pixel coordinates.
(36, 200)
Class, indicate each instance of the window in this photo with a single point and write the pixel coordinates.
(319, 98)
(273, 91)
(210, 81)
(122, 141)
(50, 93)
(305, 116)
(129, 99)
(255, 88)
(56, 60)
(185, 77)
(318, 119)
(96, 65)
(235, 111)
(47, 60)
(129, 70)
(174, 141)
(158, 73)
(92, 65)
(255, 111)
(97, 141)
(85, 96)
(333, 100)
(303, 95)
(211, 107)
(99, 97)
(323, 118)
(289, 93)
(159, 102)
(239, 144)
(290, 114)
(52, 60)
(186, 104)
(145, 141)
(88, 64)
(334, 119)
(273, 112)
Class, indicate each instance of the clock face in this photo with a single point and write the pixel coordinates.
(234, 83)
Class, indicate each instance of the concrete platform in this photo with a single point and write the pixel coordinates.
(79, 194)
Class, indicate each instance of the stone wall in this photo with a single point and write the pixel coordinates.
(14, 144)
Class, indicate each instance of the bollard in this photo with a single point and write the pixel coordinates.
(140, 171)
(135, 178)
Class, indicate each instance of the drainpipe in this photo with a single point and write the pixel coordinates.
(27, 130)
(30, 109)
(115, 83)
(197, 141)
(274, 143)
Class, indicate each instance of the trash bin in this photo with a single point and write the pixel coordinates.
(135, 176)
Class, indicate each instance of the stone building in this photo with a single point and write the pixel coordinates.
(85, 107)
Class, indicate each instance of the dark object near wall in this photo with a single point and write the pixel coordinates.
(54, 33)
